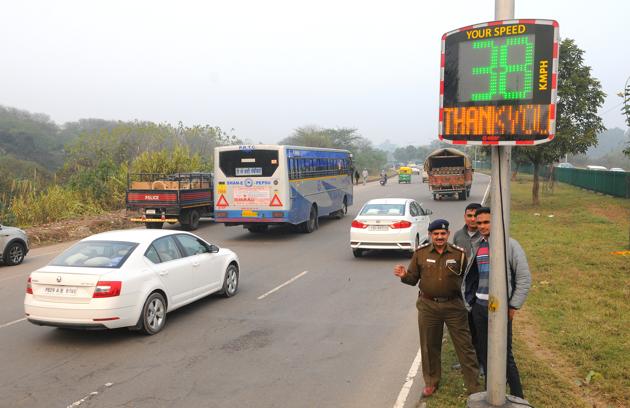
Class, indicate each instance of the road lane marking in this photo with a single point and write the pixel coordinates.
(411, 375)
(2, 326)
(283, 285)
(90, 395)
(485, 195)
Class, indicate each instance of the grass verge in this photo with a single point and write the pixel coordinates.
(572, 338)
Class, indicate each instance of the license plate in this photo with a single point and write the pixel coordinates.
(379, 227)
(59, 291)
(248, 213)
(249, 171)
(149, 212)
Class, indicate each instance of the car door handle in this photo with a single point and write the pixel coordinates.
(163, 273)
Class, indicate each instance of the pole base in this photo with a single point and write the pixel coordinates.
(478, 400)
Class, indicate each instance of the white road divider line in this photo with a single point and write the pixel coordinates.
(485, 195)
(2, 326)
(283, 285)
(90, 396)
(411, 375)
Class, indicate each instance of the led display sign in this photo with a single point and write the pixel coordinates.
(498, 83)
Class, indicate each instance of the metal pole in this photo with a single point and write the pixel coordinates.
(499, 233)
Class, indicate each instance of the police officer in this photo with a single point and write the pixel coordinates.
(439, 267)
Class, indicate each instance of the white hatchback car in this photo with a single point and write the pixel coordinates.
(128, 278)
(390, 224)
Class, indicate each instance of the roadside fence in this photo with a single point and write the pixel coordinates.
(613, 183)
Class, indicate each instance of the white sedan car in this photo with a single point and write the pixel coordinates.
(389, 223)
(129, 279)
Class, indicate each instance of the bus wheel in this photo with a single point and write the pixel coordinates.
(344, 209)
(311, 224)
(258, 228)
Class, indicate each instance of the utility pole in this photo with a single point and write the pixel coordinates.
(499, 233)
(498, 296)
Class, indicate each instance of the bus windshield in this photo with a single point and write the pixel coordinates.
(248, 163)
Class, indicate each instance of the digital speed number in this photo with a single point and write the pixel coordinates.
(499, 83)
(496, 69)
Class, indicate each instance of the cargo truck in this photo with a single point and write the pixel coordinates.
(450, 173)
(154, 199)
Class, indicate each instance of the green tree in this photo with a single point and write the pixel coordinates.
(580, 96)
(625, 109)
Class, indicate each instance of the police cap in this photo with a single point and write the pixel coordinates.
(438, 224)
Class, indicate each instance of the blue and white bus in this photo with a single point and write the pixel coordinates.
(261, 185)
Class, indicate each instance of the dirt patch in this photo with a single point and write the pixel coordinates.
(611, 213)
(77, 228)
(531, 335)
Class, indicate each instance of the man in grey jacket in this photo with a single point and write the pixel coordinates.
(465, 237)
(475, 290)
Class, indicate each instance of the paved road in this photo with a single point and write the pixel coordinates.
(343, 334)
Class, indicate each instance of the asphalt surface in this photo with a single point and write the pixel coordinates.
(343, 334)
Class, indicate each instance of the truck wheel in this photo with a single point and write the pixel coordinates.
(154, 225)
(189, 220)
(462, 195)
(194, 219)
(435, 197)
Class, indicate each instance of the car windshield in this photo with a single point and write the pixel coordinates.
(383, 209)
(96, 254)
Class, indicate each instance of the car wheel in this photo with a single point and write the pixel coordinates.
(230, 282)
(14, 254)
(416, 245)
(153, 316)
(358, 253)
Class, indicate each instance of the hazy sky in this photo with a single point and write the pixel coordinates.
(264, 68)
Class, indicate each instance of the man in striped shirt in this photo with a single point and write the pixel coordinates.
(475, 288)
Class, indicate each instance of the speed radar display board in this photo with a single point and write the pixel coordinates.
(498, 83)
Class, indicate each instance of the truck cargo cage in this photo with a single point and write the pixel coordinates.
(156, 198)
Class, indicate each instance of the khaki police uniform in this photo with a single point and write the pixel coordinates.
(440, 302)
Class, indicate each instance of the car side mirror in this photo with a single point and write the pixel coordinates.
(214, 249)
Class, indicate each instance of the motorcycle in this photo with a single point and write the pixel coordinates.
(383, 180)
